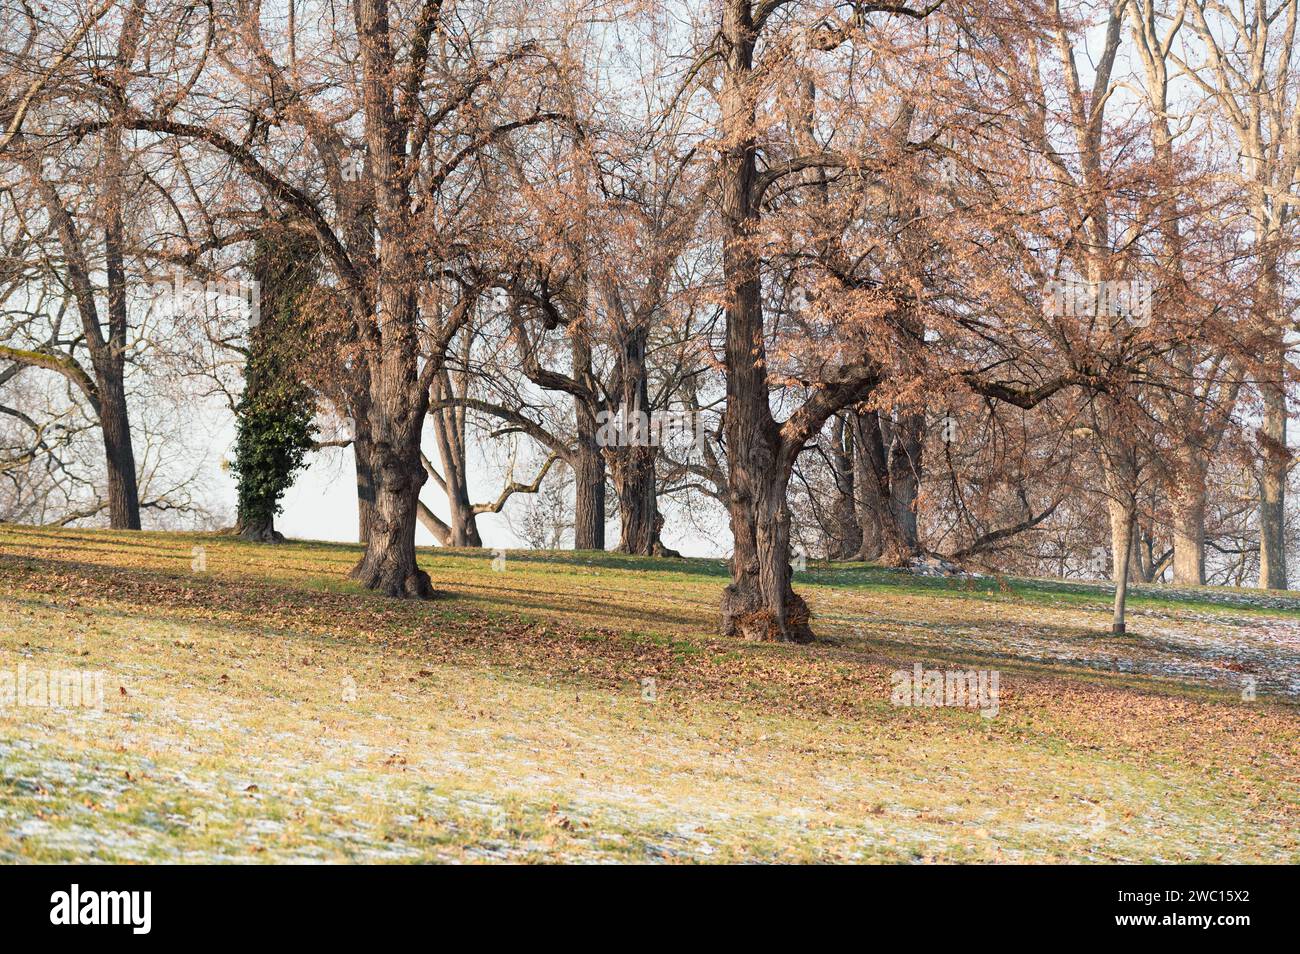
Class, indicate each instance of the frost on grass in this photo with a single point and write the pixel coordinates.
(263, 717)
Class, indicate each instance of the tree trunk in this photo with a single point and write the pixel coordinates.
(1272, 489)
(870, 483)
(123, 498)
(845, 532)
(398, 396)
(464, 524)
(634, 482)
(123, 494)
(449, 434)
(759, 603)
(362, 451)
(258, 531)
(1121, 534)
(887, 509)
(109, 362)
(589, 485)
(588, 463)
(633, 465)
(1189, 534)
(905, 448)
(389, 563)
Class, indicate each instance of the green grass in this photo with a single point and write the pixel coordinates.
(266, 709)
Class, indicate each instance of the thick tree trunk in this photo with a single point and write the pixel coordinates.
(634, 481)
(123, 498)
(759, 603)
(1189, 534)
(398, 396)
(258, 531)
(389, 565)
(633, 465)
(589, 486)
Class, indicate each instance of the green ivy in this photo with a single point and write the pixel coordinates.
(273, 419)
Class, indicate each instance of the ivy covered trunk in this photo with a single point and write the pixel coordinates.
(273, 419)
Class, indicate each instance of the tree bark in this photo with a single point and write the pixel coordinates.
(119, 457)
(588, 463)
(1188, 507)
(845, 531)
(868, 471)
(389, 565)
(1272, 488)
(634, 482)
(362, 451)
(633, 465)
(905, 462)
(589, 484)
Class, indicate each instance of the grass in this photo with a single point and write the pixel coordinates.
(265, 709)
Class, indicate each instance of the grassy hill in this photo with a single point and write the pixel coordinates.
(263, 708)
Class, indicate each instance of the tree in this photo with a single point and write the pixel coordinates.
(401, 112)
(87, 218)
(273, 419)
(1246, 75)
